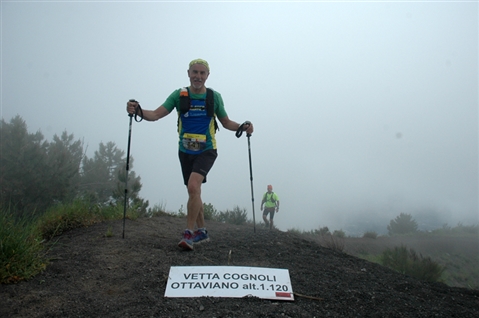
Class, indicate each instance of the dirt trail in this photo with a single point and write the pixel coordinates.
(93, 275)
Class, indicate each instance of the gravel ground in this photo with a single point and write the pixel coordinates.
(91, 274)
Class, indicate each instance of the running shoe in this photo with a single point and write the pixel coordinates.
(187, 242)
(200, 236)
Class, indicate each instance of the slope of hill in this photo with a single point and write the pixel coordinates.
(94, 275)
(458, 254)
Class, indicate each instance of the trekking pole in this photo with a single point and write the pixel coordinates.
(239, 132)
(138, 109)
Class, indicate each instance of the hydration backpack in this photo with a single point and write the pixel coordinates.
(185, 103)
(272, 199)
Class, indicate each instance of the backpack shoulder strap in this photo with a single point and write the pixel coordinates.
(210, 102)
(210, 105)
(184, 100)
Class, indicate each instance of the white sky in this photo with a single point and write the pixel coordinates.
(362, 110)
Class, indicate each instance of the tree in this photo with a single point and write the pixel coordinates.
(133, 190)
(34, 174)
(21, 162)
(99, 173)
(64, 158)
(403, 224)
(22, 166)
(103, 177)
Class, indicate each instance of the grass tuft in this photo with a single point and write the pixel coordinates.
(21, 248)
(65, 217)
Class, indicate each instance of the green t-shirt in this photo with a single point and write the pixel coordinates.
(269, 199)
(196, 130)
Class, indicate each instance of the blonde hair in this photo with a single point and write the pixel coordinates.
(200, 61)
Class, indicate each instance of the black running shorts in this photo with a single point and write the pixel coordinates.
(200, 163)
(271, 211)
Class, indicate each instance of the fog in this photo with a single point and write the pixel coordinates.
(362, 110)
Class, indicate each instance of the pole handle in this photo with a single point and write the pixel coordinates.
(239, 131)
(138, 110)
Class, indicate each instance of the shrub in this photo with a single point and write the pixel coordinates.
(332, 242)
(370, 234)
(403, 224)
(469, 229)
(156, 210)
(460, 229)
(322, 231)
(339, 233)
(181, 212)
(209, 211)
(295, 231)
(237, 216)
(412, 264)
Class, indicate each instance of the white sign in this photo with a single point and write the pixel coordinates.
(229, 281)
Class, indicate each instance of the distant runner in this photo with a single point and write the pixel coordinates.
(271, 204)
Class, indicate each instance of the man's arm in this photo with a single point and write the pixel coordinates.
(262, 202)
(149, 115)
(233, 126)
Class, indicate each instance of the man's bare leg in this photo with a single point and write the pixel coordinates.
(200, 220)
(265, 219)
(195, 205)
(194, 210)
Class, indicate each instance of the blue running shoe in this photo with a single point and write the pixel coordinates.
(200, 236)
(187, 242)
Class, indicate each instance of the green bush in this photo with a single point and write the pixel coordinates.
(237, 216)
(339, 233)
(412, 264)
(209, 211)
(403, 224)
